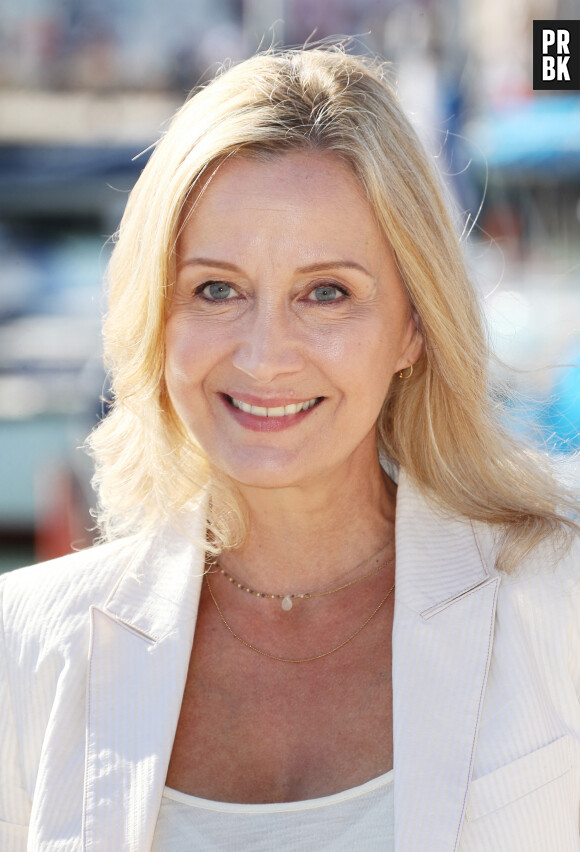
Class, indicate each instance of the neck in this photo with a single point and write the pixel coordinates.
(309, 537)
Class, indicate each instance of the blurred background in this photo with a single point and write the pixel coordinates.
(87, 85)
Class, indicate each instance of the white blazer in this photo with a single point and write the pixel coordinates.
(95, 648)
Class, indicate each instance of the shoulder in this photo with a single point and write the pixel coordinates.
(550, 573)
(548, 577)
(55, 595)
(539, 604)
(53, 599)
(532, 694)
(546, 591)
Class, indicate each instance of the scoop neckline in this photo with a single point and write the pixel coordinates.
(281, 807)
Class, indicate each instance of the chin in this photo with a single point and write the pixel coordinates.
(274, 469)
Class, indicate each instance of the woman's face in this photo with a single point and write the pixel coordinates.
(287, 322)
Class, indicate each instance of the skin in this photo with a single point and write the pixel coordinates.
(287, 291)
(272, 341)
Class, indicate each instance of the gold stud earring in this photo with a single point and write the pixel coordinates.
(409, 374)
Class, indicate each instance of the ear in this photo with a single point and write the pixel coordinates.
(413, 343)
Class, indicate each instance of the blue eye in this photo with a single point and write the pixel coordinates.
(325, 293)
(217, 291)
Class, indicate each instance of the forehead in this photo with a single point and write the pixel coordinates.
(311, 197)
(292, 171)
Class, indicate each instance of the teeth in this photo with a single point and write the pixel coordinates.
(278, 411)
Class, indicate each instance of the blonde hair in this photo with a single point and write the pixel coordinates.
(442, 425)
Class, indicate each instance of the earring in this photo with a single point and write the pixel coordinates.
(409, 374)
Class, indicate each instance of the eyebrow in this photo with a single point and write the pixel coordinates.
(312, 267)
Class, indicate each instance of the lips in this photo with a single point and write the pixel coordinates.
(276, 417)
(273, 411)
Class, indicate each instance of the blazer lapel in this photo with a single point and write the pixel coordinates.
(138, 660)
(442, 639)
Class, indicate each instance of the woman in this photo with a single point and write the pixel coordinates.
(291, 331)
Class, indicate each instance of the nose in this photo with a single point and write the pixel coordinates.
(269, 345)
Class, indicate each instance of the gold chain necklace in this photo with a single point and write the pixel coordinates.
(288, 599)
(289, 659)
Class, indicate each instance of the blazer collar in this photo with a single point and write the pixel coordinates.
(445, 602)
(161, 585)
(439, 556)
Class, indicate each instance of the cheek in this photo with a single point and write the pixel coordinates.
(188, 353)
(381, 360)
(184, 372)
(365, 353)
(185, 369)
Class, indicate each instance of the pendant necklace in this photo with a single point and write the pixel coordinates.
(287, 600)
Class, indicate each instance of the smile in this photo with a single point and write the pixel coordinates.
(278, 411)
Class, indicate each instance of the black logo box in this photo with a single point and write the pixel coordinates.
(572, 28)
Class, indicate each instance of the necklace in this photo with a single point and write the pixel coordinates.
(287, 600)
(303, 659)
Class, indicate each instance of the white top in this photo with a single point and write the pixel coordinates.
(356, 820)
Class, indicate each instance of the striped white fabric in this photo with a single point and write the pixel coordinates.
(94, 651)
